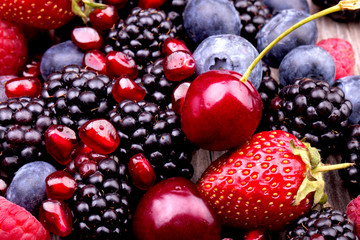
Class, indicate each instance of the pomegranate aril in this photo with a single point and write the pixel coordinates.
(87, 168)
(82, 148)
(178, 97)
(86, 38)
(60, 142)
(119, 63)
(125, 88)
(102, 19)
(60, 185)
(172, 45)
(179, 66)
(56, 217)
(144, 4)
(32, 69)
(23, 87)
(95, 60)
(100, 135)
(254, 235)
(141, 172)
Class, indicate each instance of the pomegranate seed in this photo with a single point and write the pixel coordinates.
(86, 38)
(125, 88)
(144, 4)
(254, 235)
(141, 172)
(60, 185)
(172, 45)
(102, 19)
(32, 69)
(23, 86)
(87, 168)
(179, 66)
(60, 142)
(119, 63)
(56, 217)
(95, 60)
(82, 148)
(100, 135)
(178, 97)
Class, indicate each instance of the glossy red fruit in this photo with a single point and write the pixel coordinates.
(151, 3)
(141, 172)
(179, 66)
(317, 237)
(87, 168)
(178, 97)
(86, 38)
(172, 45)
(102, 19)
(32, 69)
(100, 135)
(23, 87)
(220, 112)
(56, 217)
(255, 235)
(80, 158)
(173, 209)
(60, 185)
(119, 63)
(95, 60)
(3, 187)
(60, 142)
(117, 3)
(125, 88)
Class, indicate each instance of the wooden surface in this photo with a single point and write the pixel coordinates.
(338, 196)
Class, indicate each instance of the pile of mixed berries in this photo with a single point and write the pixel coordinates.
(103, 104)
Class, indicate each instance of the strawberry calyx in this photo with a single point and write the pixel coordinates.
(83, 8)
(313, 181)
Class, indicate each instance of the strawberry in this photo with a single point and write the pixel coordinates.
(266, 183)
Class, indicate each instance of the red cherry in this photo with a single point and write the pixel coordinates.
(141, 172)
(60, 185)
(144, 4)
(32, 69)
(102, 19)
(97, 157)
(100, 135)
(178, 97)
(172, 45)
(173, 209)
(23, 86)
(125, 88)
(119, 63)
(56, 217)
(95, 60)
(70, 167)
(255, 235)
(87, 168)
(179, 66)
(86, 38)
(60, 142)
(220, 112)
(80, 158)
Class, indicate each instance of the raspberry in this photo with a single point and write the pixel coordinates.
(353, 212)
(17, 223)
(13, 49)
(342, 53)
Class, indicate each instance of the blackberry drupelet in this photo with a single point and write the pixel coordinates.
(23, 122)
(102, 204)
(141, 35)
(253, 15)
(329, 223)
(77, 95)
(341, 16)
(310, 109)
(144, 128)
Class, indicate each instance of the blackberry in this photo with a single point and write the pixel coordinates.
(329, 223)
(77, 95)
(310, 109)
(23, 122)
(102, 203)
(341, 16)
(141, 35)
(253, 15)
(144, 128)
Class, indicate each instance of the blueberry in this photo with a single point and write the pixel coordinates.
(204, 18)
(59, 56)
(278, 5)
(227, 51)
(307, 61)
(27, 189)
(305, 35)
(351, 87)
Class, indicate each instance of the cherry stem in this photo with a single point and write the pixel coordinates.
(345, 4)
